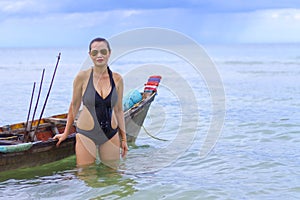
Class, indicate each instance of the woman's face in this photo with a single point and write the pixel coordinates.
(99, 54)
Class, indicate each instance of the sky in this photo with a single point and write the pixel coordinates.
(51, 23)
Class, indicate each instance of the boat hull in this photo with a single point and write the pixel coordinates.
(44, 149)
(40, 153)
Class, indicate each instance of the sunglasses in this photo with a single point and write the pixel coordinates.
(102, 51)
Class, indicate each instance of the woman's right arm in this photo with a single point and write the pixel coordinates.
(73, 109)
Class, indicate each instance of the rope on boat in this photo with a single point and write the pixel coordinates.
(153, 135)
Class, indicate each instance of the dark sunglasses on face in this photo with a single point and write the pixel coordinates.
(102, 51)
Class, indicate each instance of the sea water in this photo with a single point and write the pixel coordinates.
(254, 156)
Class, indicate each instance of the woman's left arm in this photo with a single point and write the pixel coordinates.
(119, 113)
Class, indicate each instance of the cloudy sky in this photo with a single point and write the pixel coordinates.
(42, 23)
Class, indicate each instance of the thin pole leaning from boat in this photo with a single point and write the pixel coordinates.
(36, 105)
(30, 104)
(37, 126)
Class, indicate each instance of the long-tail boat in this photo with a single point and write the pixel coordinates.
(16, 152)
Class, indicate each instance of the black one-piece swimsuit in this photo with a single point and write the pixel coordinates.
(101, 111)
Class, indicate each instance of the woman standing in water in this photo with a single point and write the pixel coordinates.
(101, 121)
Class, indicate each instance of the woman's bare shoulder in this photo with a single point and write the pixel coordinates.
(83, 75)
(117, 77)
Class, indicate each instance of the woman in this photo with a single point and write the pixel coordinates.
(101, 121)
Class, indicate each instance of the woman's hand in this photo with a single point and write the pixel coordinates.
(60, 138)
(124, 148)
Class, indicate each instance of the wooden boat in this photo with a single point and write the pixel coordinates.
(14, 153)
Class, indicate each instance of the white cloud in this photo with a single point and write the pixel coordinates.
(280, 14)
(103, 19)
(17, 6)
(130, 13)
(13, 6)
(278, 25)
(65, 28)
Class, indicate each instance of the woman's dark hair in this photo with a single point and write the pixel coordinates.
(99, 40)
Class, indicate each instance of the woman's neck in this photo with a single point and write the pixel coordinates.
(100, 69)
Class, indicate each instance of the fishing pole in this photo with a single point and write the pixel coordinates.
(30, 104)
(58, 58)
(36, 105)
